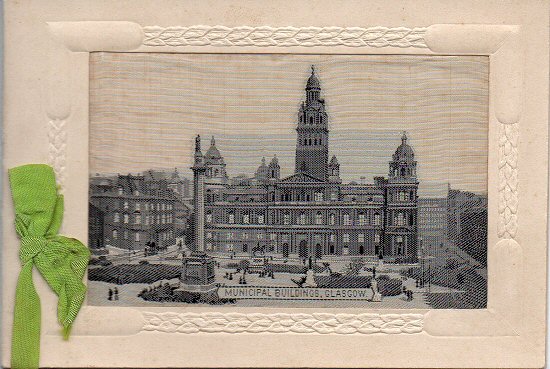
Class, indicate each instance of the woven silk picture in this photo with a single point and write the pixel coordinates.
(288, 180)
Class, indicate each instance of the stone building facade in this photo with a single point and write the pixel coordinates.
(135, 212)
(458, 202)
(467, 218)
(311, 212)
(432, 224)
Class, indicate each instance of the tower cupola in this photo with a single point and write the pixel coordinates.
(274, 168)
(312, 132)
(215, 164)
(334, 170)
(403, 164)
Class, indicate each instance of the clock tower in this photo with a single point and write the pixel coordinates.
(312, 132)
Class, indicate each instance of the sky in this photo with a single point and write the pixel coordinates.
(146, 109)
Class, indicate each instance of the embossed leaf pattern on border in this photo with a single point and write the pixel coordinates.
(284, 36)
(508, 180)
(321, 323)
(57, 147)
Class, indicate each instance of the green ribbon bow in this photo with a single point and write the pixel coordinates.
(62, 261)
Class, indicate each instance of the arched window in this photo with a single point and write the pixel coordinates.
(332, 219)
(347, 219)
(399, 219)
(311, 120)
(116, 217)
(315, 142)
(286, 218)
(115, 234)
(362, 219)
(260, 219)
(246, 219)
(231, 218)
(376, 219)
(399, 242)
(309, 142)
(209, 217)
(302, 218)
(319, 218)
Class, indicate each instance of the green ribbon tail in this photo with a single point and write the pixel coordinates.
(61, 261)
(25, 352)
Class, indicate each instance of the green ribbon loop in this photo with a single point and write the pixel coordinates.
(60, 260)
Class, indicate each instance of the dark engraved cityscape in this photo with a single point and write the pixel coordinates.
(308, 239)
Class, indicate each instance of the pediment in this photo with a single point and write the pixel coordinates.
(301, 177)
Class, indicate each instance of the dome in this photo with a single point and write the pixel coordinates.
(213, 152)
(263, 163)
(213, 155)
(274, 161)
(313, 81)
(404, 151)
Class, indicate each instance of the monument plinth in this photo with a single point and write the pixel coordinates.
(197, 273)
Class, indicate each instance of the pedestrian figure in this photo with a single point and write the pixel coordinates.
(116, 294)
(110, 294)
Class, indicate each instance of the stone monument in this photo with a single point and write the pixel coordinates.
(198, 269)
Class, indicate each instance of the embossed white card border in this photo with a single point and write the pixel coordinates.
(508, 333)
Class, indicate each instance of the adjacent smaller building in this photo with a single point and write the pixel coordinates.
(473, 233)
(432, 224)
(467, 218)
(130, 212)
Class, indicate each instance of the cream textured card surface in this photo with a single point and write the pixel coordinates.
(342, 184)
